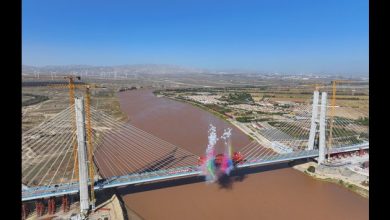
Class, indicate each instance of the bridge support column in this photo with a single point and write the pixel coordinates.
(314, 117)
(40, 207)
(65, 206)
(361, 152)
(37, 208)
(321, 156)
(82, 156)
(24, 211)
(51, 206)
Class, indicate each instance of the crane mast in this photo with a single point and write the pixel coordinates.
(71, 86)
(89, 145)
(332, 112)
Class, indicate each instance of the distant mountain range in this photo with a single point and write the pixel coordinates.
(155, 69)
(131, 69)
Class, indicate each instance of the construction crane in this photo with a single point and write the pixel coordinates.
(71, 86)
(89, 145)
(333, 105)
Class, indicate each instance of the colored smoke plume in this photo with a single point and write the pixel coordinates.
(209, 167)
(227, 163)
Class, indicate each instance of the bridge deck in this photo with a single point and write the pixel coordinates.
(71, 188)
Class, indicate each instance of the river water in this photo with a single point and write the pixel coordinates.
(274, 192)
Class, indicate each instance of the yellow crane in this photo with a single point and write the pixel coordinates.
(71, 86)
(333, 105)
(89, 144)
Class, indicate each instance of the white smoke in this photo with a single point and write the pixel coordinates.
(212, 139)
(226, 135)
(208, 166)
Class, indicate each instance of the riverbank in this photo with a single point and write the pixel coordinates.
(219, 115)
(111, 208)
(340, 176)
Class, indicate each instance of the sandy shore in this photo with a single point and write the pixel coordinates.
(340, 177)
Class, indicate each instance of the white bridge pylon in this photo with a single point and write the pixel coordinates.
(318, 125)
(314, 120)
(82, 155)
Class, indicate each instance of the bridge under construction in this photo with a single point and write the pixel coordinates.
(82, 149)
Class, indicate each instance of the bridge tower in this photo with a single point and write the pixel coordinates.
(82, 155)
(314, 121)
(318, 125)
(321, 156)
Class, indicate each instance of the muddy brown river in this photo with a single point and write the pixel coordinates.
(272, 192)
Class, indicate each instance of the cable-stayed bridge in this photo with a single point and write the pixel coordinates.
(119, 154)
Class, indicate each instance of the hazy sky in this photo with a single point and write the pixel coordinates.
(297, 36)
